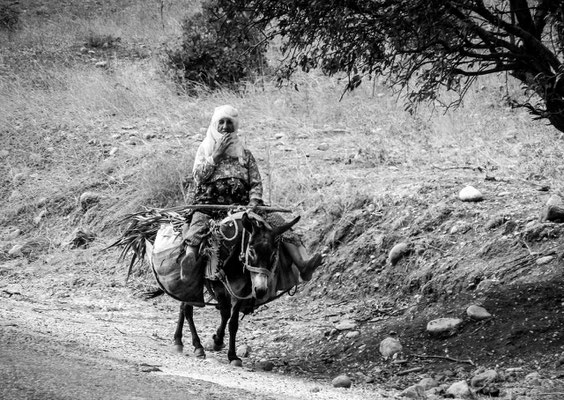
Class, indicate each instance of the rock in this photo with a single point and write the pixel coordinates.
(243, 351)
(13, 234)
(532, 375)
(16, 250)
(554, 210)
(544, 260)
(39, 217)
(443, 325)
(346, 324)
(459, 389)
(236, 363)
(342, 381)
(477, 313)
(88, 199)
(323, 147)
(397, 252)
(149, 136)
(113, 151)
(79, 238)
(352, 334)
(484, 378)
(495, 222)
(101, 64)
(470, 193)
(264, 365)
(414, 392)
(487, 284)
(489, 390)
(4, 153)
(428, 383)
(390, 346)
(460, 227)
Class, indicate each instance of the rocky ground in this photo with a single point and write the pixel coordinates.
(401, 248)
(496, 253)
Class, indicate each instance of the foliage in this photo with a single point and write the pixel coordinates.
(216, 51)
(9, 15)
(423, 46)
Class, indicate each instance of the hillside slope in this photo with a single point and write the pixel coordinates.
(86, 143)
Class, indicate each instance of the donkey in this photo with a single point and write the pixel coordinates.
(249, 273)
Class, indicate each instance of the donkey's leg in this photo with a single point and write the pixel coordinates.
(178, 345)
(233, 327)
(225, 312)
(198, 348)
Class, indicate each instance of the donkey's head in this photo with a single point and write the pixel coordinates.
(261, 251)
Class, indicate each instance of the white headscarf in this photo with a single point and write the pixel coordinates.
(210, 143)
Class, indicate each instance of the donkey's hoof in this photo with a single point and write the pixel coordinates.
(236, 363)
(200, 353)
(178, 348)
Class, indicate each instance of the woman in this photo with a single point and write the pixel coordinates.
(226, 173)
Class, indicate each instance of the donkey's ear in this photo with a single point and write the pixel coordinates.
(278, 230)
(247, 222)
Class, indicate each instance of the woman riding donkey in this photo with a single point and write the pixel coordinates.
(226, 173)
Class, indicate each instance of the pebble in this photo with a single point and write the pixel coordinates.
(459, 389)
(342, 381)
(442, 325)
(390, 346)
(243, 350)
(397, 252)
(532, 375)
(477, 312)
(428, 383)
(470, 193)
(13, 234)
(16, 250)
(352, 334)
(414, 392)
(323, 147)
(484, 378)
(265, 365)
(87, 199)
(346, 324)
(544, 260)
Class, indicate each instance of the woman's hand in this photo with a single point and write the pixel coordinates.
(224, 144)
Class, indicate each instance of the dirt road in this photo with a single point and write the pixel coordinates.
(108, 344)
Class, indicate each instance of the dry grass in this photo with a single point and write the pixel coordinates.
(62, 116)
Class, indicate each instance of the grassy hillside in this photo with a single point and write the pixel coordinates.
(87, 107)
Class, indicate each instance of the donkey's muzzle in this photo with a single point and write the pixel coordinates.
(260, 285)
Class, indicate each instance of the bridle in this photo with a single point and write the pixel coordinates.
(247, 252)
